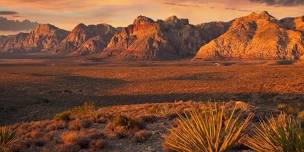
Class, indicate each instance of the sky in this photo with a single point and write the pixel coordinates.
(67, 14)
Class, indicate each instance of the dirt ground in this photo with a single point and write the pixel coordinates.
(36, 89)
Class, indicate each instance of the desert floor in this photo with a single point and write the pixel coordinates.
(36, 89)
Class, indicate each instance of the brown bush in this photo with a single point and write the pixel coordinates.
(122, 126)
(97, 144)
(142, 135)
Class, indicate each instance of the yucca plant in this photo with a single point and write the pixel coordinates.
(217, 130)
(277, 134)
(7, 138)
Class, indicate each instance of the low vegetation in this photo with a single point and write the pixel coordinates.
(217, 130)
(86, 108)
(277, 134)
(181, 127)
(7, 139)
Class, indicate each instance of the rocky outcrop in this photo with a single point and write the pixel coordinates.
(141, 40)
(85, 39)
(254, 37)
(13, 43)
(43, 37)
(148, 39)
(296, 23)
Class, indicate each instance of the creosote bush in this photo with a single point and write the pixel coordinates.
(277, 134)
(123, 126)
(217, 130)
(7, 139)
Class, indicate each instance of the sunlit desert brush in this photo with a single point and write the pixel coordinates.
(185, 126)
(277, 134)
(7, 139)
(217, 130)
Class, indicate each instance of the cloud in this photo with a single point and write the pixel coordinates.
(280, 2)
(268, 2)
(236, 9)
(15, 25)
(181, 4)
(62, 5)
(8, 13)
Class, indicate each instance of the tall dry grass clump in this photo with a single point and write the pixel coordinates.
(86, 108)
(281, 134)
(217, 130)
(7, 139)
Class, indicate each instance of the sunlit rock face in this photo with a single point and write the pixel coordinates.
(257, 36)
(84, 40)
(44, 37)
(169, 39)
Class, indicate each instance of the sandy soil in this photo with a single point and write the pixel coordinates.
(36, 89)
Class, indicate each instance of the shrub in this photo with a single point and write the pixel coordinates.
(281, 134)
(80, 124)
(7, 139)
(86, 108)
(97, 144)
(128, 122)
(210, 131)
(70, 137)
(301, 115)
(123, 126)
(65, 116)
(142, 135)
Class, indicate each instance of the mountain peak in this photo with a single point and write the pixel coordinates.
(143, 20)
(175, 20)
(263, 14)
(45, 29)
(80, 26)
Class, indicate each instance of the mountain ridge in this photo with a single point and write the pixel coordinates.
(255, 36)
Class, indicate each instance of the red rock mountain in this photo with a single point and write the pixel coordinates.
(85, 39)
(43, 37)
(257, 36)
(169, 39)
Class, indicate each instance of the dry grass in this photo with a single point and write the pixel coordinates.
(88, 108)
(7, 139)
(142, 135)
(277, 134)
(208, 131)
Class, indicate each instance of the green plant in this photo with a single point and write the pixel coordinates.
(281, 134)
(217, 130)
(7, 138)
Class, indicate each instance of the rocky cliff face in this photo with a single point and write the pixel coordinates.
(85, 40)
(14, 43)
(257, 36)
(43, 37)
(148, 39)
(296, 23)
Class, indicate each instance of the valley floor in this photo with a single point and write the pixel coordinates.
(37, 89)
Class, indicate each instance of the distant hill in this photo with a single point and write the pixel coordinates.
(84, 40)
(44, 37)
(258, 36)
